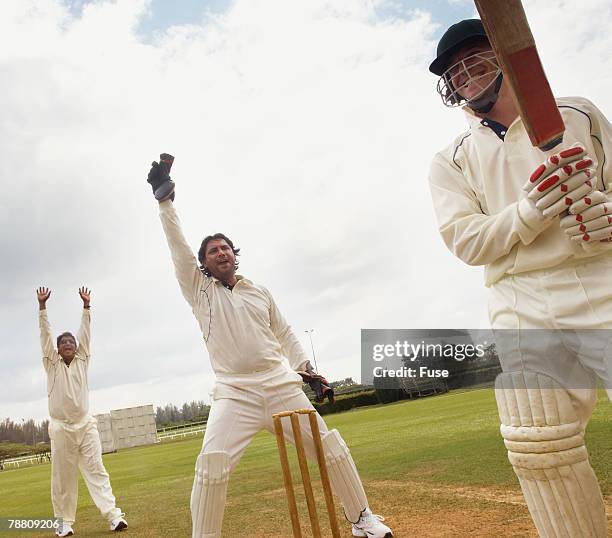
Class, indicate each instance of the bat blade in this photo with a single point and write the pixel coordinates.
(510, 36)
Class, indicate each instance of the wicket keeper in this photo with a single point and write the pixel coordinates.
(247, 338)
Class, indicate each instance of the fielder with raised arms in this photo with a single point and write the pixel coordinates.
(247, 338)
(540, 224)
(75, 441)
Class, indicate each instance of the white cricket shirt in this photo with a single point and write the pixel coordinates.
(67, 387)
(483, 213)
(243, 329)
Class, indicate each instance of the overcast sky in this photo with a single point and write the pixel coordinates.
(303, 129)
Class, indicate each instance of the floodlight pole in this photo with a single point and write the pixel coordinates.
(314, 358)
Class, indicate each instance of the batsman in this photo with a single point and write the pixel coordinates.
(540, 223)
(247, 339)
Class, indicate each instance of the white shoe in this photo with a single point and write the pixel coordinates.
(118, 524)
(370, 526)
(64, 530)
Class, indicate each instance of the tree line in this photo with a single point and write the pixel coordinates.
(25, 432)
(29, 432)
(188, 412)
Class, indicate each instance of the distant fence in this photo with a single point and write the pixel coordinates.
(167, 433)
(32, 459)
(184, 430)
(163, 434)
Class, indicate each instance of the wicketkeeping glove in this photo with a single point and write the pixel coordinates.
(590, 219)
(159, 178)
(560, 181)
(318, 384)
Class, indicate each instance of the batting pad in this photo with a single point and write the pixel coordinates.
(208, 494)
(545, 442)
(343, 476)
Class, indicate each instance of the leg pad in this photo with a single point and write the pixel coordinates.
(545, 442)
(208, 494)
(343, 476)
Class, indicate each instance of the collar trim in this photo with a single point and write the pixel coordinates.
(498, 128)
(238, 278)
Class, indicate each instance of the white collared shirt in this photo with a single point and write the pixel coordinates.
(67, 387)
(483, 215)
(243, 329)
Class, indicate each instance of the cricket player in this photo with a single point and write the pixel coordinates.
(75, 442)
(247, 338)
(539, 223)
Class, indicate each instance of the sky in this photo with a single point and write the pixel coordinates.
(303, 130)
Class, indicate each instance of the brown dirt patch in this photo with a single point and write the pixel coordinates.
(422, 509)
(426, 510)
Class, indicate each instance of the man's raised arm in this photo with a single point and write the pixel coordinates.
(186, 266)
(46, 340)
(84, 334)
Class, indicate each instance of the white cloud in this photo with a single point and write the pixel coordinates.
(303, 130)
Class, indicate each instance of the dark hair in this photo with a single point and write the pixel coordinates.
(66, 334)
(202, 251)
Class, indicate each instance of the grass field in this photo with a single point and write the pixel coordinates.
(434, 467)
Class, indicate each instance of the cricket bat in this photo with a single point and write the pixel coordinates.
(510, 36)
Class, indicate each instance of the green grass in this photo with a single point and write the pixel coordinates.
(445, 441)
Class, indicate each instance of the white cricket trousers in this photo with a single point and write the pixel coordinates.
(240, 410)
(554, 347)
(73, 448)
(574, 296)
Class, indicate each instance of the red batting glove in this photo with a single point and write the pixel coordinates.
(590, 219)
(561, 180)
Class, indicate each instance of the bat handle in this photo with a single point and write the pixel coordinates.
(550, 144)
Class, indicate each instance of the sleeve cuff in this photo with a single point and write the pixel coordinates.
(532, 222)
(302, 366)
(165, 205)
